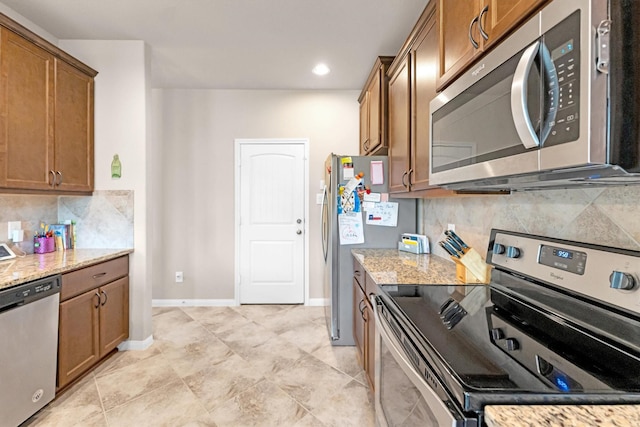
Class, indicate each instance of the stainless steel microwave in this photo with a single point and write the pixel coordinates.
(556, 104)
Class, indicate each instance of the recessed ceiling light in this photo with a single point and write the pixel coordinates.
(321, 70)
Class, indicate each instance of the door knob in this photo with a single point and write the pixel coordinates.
(298, 220)
(299, 232)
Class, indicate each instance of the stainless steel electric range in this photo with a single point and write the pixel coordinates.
(559, 323)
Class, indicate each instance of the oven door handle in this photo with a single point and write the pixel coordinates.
(440, 407)
(519, 110)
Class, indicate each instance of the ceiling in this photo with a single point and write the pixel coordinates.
(240, 44)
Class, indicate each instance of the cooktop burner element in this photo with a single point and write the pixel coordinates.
(559, 323)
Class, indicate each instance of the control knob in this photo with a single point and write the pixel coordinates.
(497, 334)
(620, 280)
(498, 248)
(513, 252)
(512, 344)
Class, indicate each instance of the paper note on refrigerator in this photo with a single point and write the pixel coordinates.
(385, 214)
(350, 228)
(377, 172)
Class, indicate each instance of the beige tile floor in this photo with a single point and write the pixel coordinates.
(253, 365)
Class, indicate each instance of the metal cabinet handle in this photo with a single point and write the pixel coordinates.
(59, 176)
(53, 178)
(97, 276)
(403, 175)
(360, 306)
(483, 33)
(98, 303)
(409, 178)
(105, 298)
(366, 145)
(298, 231)
(473, 42)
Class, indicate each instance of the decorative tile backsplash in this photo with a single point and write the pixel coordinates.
(103, 220)
(607, 217)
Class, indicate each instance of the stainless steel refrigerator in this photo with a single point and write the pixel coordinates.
(338, 270)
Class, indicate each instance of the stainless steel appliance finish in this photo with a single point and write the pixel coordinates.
(28, 355)
(338, 268)
(554, 105)
(558, 324)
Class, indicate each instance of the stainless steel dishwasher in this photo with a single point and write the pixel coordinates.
(28, 348)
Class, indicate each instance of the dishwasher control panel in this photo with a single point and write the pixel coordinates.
(29, 292)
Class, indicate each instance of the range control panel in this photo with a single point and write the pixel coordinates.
(608, 274)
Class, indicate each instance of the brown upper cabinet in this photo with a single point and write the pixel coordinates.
(374, 110)
(412, 86)
(46, 115)
(468, 28)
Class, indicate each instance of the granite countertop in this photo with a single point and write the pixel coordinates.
(31, 267)
(562, 416)
(394, 267)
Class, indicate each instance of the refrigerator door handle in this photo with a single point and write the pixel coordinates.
(325, 216)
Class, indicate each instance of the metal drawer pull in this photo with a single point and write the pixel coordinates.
(53, 176)
(97, 276)
(60, 175)
(105, 298)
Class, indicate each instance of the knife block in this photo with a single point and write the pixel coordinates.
(471, 268)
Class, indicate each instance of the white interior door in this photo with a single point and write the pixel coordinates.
(272, 223)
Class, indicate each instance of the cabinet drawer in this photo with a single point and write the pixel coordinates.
(358, 272)
(91, 277)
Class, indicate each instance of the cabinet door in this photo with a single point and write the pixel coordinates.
(503, 15)
(74, 128)
(364, 123)
(425, 54)
(454, 19)
(374, 113)
(78, 336)
(399, 127)
(114, 314)
(26, 114)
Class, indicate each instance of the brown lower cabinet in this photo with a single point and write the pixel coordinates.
(364, 322)
(94, 316)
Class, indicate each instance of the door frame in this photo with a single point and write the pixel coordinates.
(239, 142)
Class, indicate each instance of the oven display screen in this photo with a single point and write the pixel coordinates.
(562, 253)
(563, 259)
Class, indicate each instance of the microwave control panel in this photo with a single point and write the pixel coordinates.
(563, 42)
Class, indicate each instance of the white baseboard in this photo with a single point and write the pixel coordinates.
(136, 345)
(193, 303)
(313, 302)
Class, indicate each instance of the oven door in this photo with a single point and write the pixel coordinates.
(402, 395)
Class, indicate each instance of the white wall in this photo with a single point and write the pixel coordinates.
(197, 129)
(121, 97)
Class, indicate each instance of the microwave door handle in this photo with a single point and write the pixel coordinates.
(552, 91)
(519, 110)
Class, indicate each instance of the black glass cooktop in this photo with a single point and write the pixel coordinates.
(490, 346)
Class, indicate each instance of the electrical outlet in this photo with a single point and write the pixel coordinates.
(13, 225)
(451, 227)
(179, 277)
